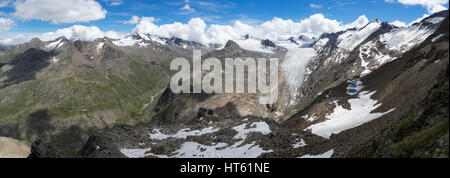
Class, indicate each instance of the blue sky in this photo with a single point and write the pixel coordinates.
(223, 12)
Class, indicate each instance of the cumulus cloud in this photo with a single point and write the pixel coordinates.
(193, 30)
(57, 11)
(136, 19)
(80, 32)
(398, 23)
(133, 20)
(275, 29)
(432, 6)
(6, 24)
(197, 30)
(75, 32)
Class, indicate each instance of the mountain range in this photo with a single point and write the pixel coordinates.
(375, 91)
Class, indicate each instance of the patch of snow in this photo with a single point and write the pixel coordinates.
(436, 38)
(342, 119)
(350, 39)
(261, 127)
(183, 133)
(216, 150)
(135, 153)
(220, 150)
(310, 119)
(327, 154)
(100, 47)
(300, 143)
(435, 20)
(365, 72)
(55, 60)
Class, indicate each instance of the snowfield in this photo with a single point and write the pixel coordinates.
(403, 39)
(342, 119)
(129, 41)
(368, 51)
(219, 150)
(320, 43)
(135, 153)
(261, 127)
(55, 45)
(435, 20)
(191, 149)
(183, 133)
(327, 154)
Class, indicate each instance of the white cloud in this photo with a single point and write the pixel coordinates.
(188, 8)
(315, 6)
(398, 23)
(197, 30)
(275, 29)
(57, 11)
(194, 30)
(432, 6)
(4, 3)
(149, 19)
(133, 20)
(75, 32)
(79, 32)
(17, 39)
(136, 19)
(114, 2)
(6, 24)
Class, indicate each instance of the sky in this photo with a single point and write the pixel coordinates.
(199, 20)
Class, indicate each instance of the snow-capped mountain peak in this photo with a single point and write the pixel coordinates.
(57, 43)
(352, 38)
